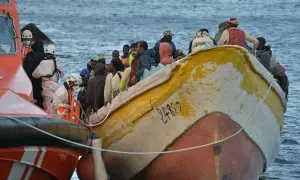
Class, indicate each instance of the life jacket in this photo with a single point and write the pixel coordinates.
(73, 114)
(25, 50)
(237, 37)
(202, 41)
(124, 60)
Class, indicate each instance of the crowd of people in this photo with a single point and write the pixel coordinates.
(100, 82)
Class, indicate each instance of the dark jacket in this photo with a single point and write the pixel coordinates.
(156, 48)
(145, 62)
(264, 58)
(30, 63)
(96, 85)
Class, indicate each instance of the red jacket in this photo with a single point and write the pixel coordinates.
(237, 37)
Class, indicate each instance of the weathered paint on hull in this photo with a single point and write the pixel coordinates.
(235, 159)
(221, 79)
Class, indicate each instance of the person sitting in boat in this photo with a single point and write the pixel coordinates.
(133, 62)
(165, 53)
(278, 72)
(90, 66)
(261, 53)
(82, 95)
(27, 41)
(64, 93)
(125, 56)
(168, 36)
(145, 61)
(222, 27)
(113, 79)
(235, 36)
(95, 89)
(50, 70)
(30, 63)
(202, 40)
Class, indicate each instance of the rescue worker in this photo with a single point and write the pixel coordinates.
(95, 89)
(64, 94)
(202, 40)
(145, 61)
(27, 40)
(50, 70)
(113, 80)
(235, 36)
(168, 36)
(124, 58)
(30, 63)
(165, 53)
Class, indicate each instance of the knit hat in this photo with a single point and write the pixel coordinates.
(168, 33)
(233, 21)
(84, 73)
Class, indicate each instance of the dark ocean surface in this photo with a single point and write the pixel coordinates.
(83, 28)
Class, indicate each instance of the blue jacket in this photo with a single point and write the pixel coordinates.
(145, 62)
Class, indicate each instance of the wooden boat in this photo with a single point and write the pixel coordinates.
(218, 112)
(24, 152)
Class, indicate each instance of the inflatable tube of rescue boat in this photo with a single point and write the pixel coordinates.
(13, 133)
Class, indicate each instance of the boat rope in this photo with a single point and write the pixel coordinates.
(150, 153)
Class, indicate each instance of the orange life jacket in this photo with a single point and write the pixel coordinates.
(237, 37)
(74, 111)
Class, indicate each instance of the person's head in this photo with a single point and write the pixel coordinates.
(100, 69)
(74, 81)
(202, 32)
(142, 47)
(115, 54)
(85, 75)
(261, 44)
(233, 22)
(27, 37)
(50, 49)
(100, 58)
(223, 26)
(126, 49)
(114, 66)
(168, 36)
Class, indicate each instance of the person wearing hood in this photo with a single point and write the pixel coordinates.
(95, 89)
(113, 79)
(202, 40)
(30, 63)
(235, 36)
(145, 61)
(262, 54)
(82, 95)
(168, 37)
(50, 70)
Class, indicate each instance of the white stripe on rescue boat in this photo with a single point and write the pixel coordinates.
(28, 174)
(18, 169)
(39, 164)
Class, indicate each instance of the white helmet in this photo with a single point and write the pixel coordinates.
(27, 34)
(50, 49)
(74, 81)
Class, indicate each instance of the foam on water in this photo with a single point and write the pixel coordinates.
(84, 28)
